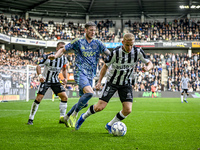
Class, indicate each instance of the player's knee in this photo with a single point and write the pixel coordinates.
(64, 98)
(127, 111)
(89, 95)
(39, 98)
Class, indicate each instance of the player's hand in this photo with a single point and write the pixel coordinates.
(42, 79)
(64, 81)
(98, 86)
(51, 57)
(145, 69)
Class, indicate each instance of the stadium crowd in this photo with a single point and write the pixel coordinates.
(144, 81)
(177, 65)
(181, 29)
(17, 26)
(178, 29)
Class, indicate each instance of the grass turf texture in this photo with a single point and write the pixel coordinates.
(154, 124)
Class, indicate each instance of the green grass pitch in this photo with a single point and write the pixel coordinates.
(154, 124)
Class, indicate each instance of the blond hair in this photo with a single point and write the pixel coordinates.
(128, 37)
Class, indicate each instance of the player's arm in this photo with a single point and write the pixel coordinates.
(64, 72)
(102, 74)
(107, 52)
(38, 70)
(148, 66)
(58, 54)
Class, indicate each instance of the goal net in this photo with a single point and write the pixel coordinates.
(18, 83)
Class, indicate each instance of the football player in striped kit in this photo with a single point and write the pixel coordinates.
(121, 64)
(184, 86)
(49, 79)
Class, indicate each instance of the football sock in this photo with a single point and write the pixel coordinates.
(66, 117)
(63, 108)
(83, 101)
(181, 98)
(71, 110)
(89, 112)
(185, 96)
(34, 109)
(53, 96)
(155, 94)
(75, 113)
(118, 117)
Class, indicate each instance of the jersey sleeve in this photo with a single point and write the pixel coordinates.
(111, 58)
(43, 61)
(143, 56)
(73, 45)
(102, 47)
(65, 62)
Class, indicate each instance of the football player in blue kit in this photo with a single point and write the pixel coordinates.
(87, 53)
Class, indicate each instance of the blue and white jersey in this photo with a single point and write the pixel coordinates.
(86, 55)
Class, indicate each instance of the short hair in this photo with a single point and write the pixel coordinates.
(128, 37)
(89, 24)
(63, 43)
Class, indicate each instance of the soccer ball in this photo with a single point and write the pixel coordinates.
(119, 129)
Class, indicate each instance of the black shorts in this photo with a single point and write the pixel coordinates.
(56, 88)
(184, 90)
(125, 92)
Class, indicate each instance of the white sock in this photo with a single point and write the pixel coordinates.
(75, 113)
(34, 109)
(88, 112)
(66, 117)
(118, 117)
(185, 96)
(63, 108)
(181, 98)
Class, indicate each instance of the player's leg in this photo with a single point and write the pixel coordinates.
(107, 93)
(59, 90)
(91, 110)
(42, 90)
(126, 110)
(87, 93)
(126, 97)
(182, 96)
(34, 108)
(152, 93)
(63, 103)
(186, 95)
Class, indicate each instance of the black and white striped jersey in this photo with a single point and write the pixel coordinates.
(52, 67)
(184, 82)
(121, 65)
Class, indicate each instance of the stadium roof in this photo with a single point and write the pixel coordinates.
(100, 8)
